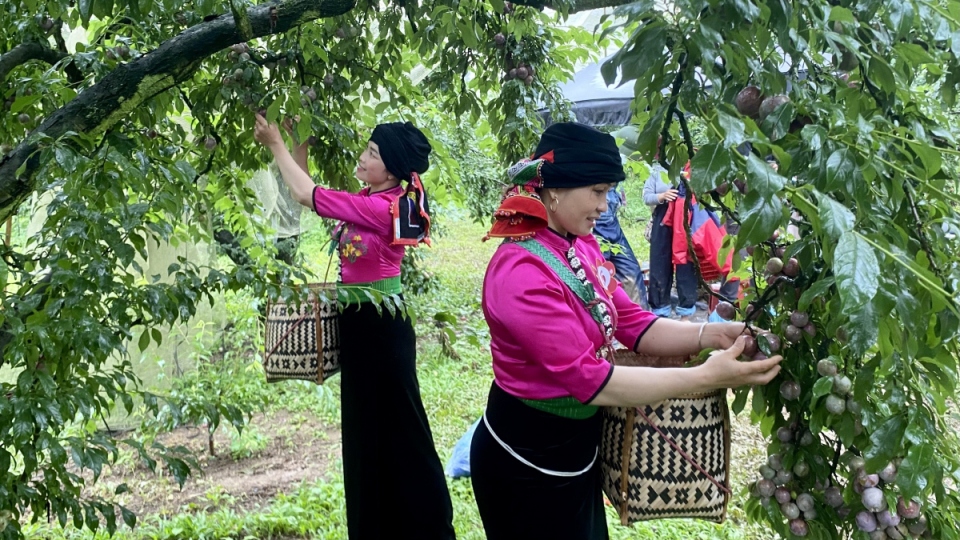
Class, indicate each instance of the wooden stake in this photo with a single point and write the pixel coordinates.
(9, 230)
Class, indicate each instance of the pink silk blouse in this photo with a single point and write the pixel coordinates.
(543, 340)
(366, 253)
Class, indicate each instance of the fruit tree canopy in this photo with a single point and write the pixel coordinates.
(596, 104)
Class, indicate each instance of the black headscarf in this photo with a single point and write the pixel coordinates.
(576, 155)
(403, 148)
(405, 153)
(569, 155)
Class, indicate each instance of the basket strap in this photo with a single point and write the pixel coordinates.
(587, 295)
(685, 456)
(285, 334)
(625, 466)
(319, 339)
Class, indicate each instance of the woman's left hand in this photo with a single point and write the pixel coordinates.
(723, 370)
(722, 335)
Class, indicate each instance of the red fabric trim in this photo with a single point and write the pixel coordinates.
(520, 215)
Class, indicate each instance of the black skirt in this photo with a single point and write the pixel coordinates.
(517, 502)
(392, 475)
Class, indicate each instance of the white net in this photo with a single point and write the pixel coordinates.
(280, 210)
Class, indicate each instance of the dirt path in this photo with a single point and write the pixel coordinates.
(295, 448)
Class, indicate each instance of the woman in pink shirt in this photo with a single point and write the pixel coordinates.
(392, 475)
(533, 458)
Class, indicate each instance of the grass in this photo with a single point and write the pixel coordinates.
(454, 393)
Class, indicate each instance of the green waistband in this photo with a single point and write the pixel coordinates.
(567, 407)
(356, 293)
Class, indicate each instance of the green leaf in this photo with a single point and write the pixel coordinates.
(921, 427)
(882, 75)
(761, 178)
(929, 156)
(760, 217)
(914, 470)
(914, 54)
(740, 401)
(144, 340)
(901, 14)
(845, 429)
(816, 290)
(23, 102)
(747, 9)
(758, 404)
(304, 129)
(733, 130)
(646, 52)
(857, 271)
(710, 167)
(841, 14)
(90, 518)
(86, 9)
(128, 517)
(273, 110)
(822, 387)
(777, 124)
(885, 442)
(835, 218)
(22, 429)
(863, 328)
(842, 171)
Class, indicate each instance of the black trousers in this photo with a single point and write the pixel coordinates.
(662, 268)
(394, 482)
(517, 502)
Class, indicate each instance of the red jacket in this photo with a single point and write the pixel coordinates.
(707, 234)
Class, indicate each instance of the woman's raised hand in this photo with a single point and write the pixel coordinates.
(266, 133)
(723, 370)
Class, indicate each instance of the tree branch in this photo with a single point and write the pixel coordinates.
(25, 52)
(573, 7)
(130, 85)
(924, 241)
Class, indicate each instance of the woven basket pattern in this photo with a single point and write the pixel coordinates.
(300, 338)
(659, 483)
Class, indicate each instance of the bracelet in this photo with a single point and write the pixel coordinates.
(700, 337)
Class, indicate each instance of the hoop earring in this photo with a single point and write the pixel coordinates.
(555, 204)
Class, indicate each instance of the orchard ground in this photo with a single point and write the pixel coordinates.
(282, 477)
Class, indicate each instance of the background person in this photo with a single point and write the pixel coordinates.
(658, 194)
(629, 273)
